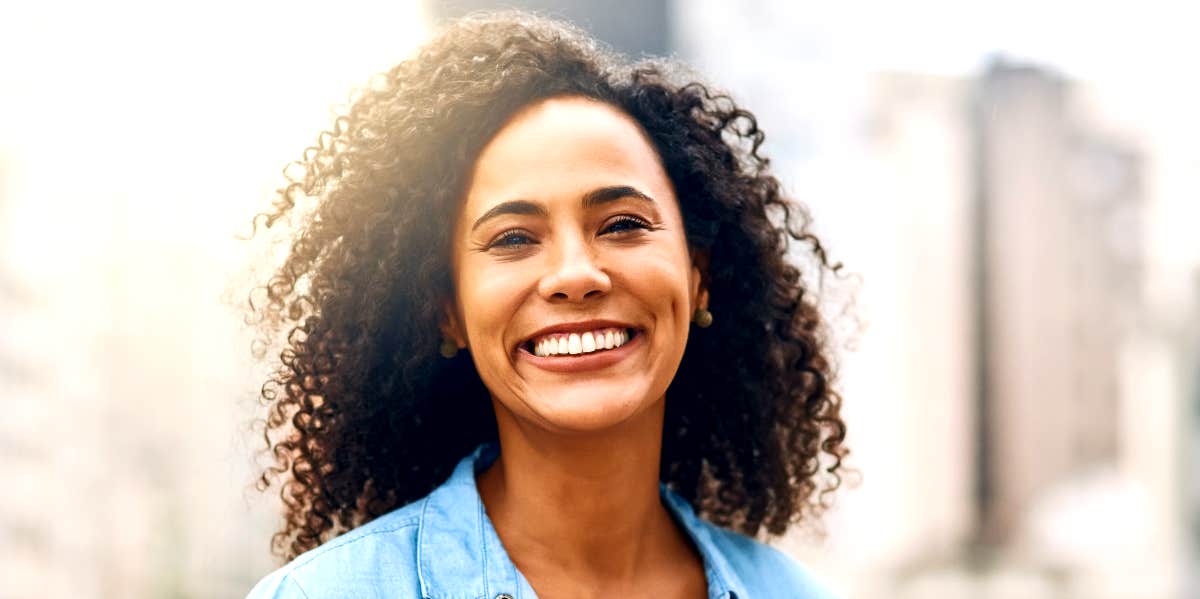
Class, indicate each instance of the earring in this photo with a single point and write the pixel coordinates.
(703, 318)
(448, 348)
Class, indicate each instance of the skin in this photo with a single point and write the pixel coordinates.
(574, 495)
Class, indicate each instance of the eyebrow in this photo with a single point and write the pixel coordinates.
(604, 195)
(591, 199)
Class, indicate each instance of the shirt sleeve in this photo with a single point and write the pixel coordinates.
(787, 573)
(278, 585)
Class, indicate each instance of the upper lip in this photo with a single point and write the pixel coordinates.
(577, 327)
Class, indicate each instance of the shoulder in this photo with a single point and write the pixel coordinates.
(379, 555)
(765, 571)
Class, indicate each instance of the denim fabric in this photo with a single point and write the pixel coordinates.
(444, 546)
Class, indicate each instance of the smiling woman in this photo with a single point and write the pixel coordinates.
(500, 377)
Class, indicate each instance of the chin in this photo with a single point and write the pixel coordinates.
(588, 408)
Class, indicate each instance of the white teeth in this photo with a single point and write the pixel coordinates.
(580, 343)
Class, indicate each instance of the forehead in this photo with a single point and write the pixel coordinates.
(563, 147)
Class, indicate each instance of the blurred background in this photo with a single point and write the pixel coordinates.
(1014, 185)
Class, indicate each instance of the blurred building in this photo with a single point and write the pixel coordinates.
(1050, 453)
(26, 385)
(1058, 286)
(121, 414)
(1012, 400)
(633, 27)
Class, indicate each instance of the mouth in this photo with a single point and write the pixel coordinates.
(581, 348)
(576, 344)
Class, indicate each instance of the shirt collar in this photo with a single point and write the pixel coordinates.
(459, 553)
(723, 581)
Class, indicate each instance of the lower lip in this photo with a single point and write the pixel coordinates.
(582, 362)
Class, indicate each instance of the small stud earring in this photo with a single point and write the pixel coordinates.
(448, 348)
(703, 318)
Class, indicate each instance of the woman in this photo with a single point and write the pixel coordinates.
(572, 272)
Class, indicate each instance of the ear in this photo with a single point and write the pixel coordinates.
(450, 326)
(699, 279)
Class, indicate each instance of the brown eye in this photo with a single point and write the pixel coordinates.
(510, 239)
(624, 224)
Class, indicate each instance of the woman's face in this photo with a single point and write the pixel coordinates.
(575, 287)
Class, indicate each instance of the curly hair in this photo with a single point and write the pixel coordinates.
(363, 415)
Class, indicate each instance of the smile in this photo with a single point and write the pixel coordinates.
(573, 344)
(581, 346)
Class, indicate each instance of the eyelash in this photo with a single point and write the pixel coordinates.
(630, 220)
(509, 234)
(501, 242)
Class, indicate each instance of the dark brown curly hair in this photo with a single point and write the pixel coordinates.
(365, 416)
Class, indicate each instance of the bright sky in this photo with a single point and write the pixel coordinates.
(182, 114)
(1092, 40)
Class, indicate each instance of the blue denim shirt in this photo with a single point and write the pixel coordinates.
(444, 546)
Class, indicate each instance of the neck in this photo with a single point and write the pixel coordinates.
(585, 505)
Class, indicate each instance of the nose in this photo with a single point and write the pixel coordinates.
(574, 275)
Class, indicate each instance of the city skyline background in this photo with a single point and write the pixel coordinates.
(1012, 186)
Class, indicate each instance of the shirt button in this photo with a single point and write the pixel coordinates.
(504, 596)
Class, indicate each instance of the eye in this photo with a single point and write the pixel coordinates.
(511, 238)
(624, 224)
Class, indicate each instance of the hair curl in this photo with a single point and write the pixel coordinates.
(364, 415)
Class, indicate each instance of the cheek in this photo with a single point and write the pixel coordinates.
(661, 281)
(489, 298)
